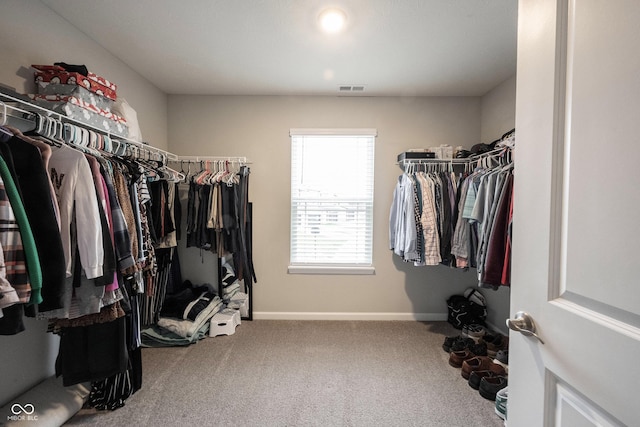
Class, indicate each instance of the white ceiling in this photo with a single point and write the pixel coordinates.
(274, 47)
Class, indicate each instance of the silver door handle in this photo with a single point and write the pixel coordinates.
(524, 324)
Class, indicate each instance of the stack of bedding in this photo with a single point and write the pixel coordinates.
(184, 318)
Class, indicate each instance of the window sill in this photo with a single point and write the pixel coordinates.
(321, 269)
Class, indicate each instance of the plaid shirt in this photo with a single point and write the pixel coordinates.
(14, 256)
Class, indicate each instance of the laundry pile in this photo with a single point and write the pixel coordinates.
(186, 316)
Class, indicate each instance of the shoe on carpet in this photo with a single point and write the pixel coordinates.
(476, 376)
(502, 359)
(490, 386)
(474, 331)
(501, 403)
(448, 342)
(462, 344)
(456, 343)
(457, 357)
(478, 349)
(478, 363)
(495, 343)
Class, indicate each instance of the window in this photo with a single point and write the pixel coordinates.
(332, 201)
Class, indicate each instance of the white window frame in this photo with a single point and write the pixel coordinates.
(329, 268)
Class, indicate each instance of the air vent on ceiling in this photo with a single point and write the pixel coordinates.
(351, 88)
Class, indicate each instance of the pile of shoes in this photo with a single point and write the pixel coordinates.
(483, 359)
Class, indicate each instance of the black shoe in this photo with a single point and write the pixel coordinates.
(448, 342)
(478, 349)
(462, 344)
(476, 376)
(489, 386)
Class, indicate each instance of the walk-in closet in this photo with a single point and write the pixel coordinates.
(209, 231)
(346, 213)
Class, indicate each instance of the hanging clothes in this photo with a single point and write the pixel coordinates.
(428, 221)
(26, 271)
(498, 241)
(77, 200)
(35, 189)
(78, 248)
(218, 216)
(482, 222)
(403, 233)
(422, 217)
(459, 220)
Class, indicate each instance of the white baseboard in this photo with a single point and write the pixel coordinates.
(421, 317)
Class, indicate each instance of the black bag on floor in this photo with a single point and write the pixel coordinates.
(466, 309)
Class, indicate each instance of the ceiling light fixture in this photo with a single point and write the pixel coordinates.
(332, 20)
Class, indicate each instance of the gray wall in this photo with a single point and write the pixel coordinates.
(258, 127)
(498, 115)
(498, 111)
(30, 33)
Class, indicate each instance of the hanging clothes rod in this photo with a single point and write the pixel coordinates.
(62, 118)
(164, 171)
(434, 161)
(499, 151)
(198, 159)
(4, 115)
(464, 161)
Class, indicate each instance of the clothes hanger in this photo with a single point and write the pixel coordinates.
(107, 145)
(5, 131)
(182, 166)
(175, 176)
(223, 171)
(45, 129)
(3, 120)
(92, 139)
(232, 174)
(188, 176)
(219, 171)
(205, 176)
(46, 126)
(197, 175)
(214, 173)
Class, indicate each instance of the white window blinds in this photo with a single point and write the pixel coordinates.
(332, 197)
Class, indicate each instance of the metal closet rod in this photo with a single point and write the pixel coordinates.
(470, 159)
(435, 161)
(63, 118)
(198, 159)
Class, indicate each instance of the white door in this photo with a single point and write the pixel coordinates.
(576, 229)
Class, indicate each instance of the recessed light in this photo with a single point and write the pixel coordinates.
(332, 20)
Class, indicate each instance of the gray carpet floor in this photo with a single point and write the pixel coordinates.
(305, 373)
